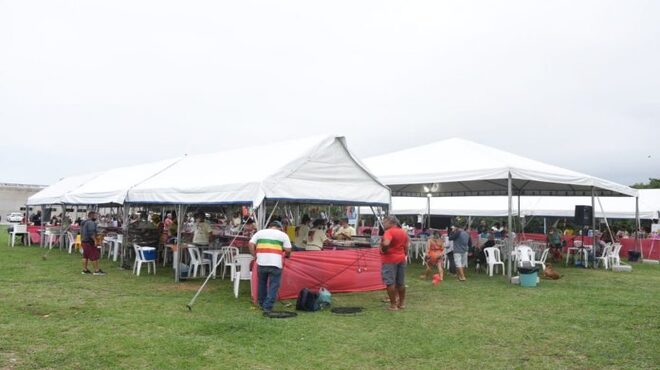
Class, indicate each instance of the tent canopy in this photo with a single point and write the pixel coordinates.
(55, 193)
(614, 207)
(314, 170)
(317, 170)
(111, 187)
(479, 170)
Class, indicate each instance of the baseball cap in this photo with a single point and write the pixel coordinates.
(276, 224)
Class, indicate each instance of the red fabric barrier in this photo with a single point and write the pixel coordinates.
(35, 236)
(626, 244)
(340, 271)
(629, 245)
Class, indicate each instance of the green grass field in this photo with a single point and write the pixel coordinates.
(53, 317)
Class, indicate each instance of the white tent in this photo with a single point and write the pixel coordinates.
(315, 170)
(311, 170)
(100, 188)
(56, 193)
(111, 187)
(457, 167)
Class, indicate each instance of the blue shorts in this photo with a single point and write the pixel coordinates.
(394, 273)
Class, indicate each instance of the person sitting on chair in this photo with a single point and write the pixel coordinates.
(345, 231)
(554, 242)
(317, 236)
(435, 255)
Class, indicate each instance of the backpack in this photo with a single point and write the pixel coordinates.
(307, 301)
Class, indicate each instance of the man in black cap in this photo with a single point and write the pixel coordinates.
(267, 246)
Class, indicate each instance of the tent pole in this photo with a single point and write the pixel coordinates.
(124, 226)
(545, 225)
(602, 210)
(176, 255)
(521, 230)
(638, 226)
(62, 231)
(510, 219)
(593, 226)
(42, 239)
(271, 214)
(428, 211)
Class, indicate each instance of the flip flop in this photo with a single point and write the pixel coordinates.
(393, 308)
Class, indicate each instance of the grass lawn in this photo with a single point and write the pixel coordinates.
(53, 317)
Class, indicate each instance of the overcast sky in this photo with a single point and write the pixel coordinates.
(91, 85)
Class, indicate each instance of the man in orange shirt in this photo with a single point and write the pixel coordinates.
(394, 249)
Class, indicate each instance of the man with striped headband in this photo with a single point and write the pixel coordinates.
(267, 246)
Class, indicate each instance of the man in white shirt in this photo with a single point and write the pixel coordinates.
(267, 246)
(345, 231)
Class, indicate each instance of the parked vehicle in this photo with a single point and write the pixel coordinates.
(15, 217)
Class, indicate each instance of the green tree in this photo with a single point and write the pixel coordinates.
(653, 184)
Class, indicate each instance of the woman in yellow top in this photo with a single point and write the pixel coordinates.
(435, 255)
(302, 234)
(316, 237)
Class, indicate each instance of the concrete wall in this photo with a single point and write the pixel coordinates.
(14, 196)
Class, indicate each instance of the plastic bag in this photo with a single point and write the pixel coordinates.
(324, 299)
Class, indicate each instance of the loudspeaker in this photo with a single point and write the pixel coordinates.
(583, 215)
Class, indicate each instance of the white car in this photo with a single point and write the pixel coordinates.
(15, 217)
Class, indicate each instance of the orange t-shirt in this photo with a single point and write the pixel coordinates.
(396, 252)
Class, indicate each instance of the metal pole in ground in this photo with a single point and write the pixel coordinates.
(593, 226)
(638, 225)
(510, 220)
(176, 255)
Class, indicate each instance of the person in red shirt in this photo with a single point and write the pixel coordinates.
(394, 249)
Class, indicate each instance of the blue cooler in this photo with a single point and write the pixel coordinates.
(149, 253)
(528, 276)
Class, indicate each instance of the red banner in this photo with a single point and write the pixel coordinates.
(340, 271)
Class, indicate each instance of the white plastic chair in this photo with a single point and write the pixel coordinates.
(71, 239)
(119, 242)
(544, 257)
(604, 258)
(19, 230)
(524, 254)
(140, 259)
(242, 271)
(50, 236)
(197, 263)
(614, 258)
(108, 244)
(230, 261)
(493, 258)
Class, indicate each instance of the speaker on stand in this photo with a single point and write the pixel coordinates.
(583, 217)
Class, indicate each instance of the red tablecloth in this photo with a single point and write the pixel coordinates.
(340, 271)
(35, 236)
(629, 245)
(649, 246)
